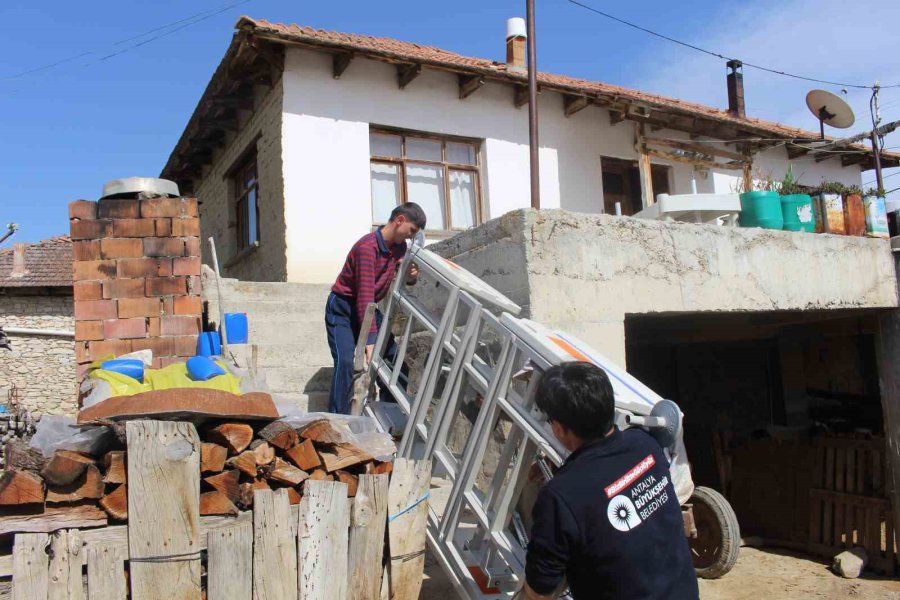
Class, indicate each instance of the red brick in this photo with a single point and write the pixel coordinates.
(169, 207)
(188, 305)
(81, 351)
(113, 208)
(86, 250)
(103, 349)
(186, 266)
(153, 326)
(90, 230)
(83, 209)
(95, 310)
(186, 227)
(88, 330)
(163, 247)
(121, 248)
(165, 361)
(134, 228)
(144, 267)
(192, 247)
(123, 288)
(163, 227)
(171, 325)
(93, 269)
(122, 329)
(168, 305)
(184, 345)
(86, 290)
(81, 372)
(165, 286)
(138, 307)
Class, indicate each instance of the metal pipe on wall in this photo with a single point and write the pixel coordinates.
(532, 108)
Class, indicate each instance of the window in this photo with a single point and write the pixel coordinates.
(246, 187)
(622, 184)
(439, 174)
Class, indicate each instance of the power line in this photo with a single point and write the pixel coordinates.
(883, 178)
(187, 22)
(717, 55)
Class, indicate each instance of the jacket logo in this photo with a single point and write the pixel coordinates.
(622, 513)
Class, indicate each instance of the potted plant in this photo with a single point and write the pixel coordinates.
(876, 213)
(761, 206)
(854, 213)
(796, 205)
(829, 208)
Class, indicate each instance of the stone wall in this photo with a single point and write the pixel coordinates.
(41, 368)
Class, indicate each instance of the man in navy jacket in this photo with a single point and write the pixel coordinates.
(609, 521)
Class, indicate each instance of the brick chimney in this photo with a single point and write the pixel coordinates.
(515, 45)
(735, 81)
(18, 266)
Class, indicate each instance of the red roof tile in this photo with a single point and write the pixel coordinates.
(48, 263)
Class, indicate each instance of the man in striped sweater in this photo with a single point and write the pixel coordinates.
(366, 277)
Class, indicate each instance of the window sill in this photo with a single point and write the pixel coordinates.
(242, 255)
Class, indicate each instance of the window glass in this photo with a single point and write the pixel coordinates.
(462, 199)
(385, 190)
(423, 149)
(253, 226)
(383, 144)
(425, 187)
(460, 154)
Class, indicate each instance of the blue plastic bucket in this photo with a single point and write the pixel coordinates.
(236, 328)
(126, 366)
(209, 344)
(201, 368)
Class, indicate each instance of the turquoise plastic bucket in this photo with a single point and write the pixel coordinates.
(797, 211)
(761, 209)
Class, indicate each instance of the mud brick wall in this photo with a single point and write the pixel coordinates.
(136, 272)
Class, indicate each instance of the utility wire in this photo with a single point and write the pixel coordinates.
(185, 22)
(717, 55)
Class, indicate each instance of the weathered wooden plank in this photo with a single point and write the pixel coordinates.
(840, 469)
(850, 486)
(30, 568)
(65, 582)
(368, 519)
(322, 538)
(829, 468)
(274, 549)
(408, 514)
(815, 519)
(164, 509)
(230, 565)
(52, 518)
(106, 572)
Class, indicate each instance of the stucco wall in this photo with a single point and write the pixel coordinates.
(216, 194)
(42, 368)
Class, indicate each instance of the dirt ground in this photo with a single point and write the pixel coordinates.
(760, 574)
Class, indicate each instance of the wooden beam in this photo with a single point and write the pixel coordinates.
(644, 168)
(573, 104)
(709, 151)
(469, 84)
(706, 164)
(521, 97)
(823, 156)
(794, 151)
(616, 116)
(406, 73)
(339, 63)
(240, 100)
(853, 159)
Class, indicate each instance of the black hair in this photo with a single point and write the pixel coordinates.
(578, 396)
(412, 211)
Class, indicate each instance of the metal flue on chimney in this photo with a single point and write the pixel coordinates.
(515, 44)
(735, 81)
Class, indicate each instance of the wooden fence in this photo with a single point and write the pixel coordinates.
(329, 547)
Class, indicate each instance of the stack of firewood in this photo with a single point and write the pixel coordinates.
(235, 460)
(15, 424)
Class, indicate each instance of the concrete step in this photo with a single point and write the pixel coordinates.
(298, 380)
(240, 291)
(309, 332)
(275, 310)
(313, 352)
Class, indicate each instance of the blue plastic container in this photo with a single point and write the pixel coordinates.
(209, 343)
(126, 366)
(201, 368)
(236, 328)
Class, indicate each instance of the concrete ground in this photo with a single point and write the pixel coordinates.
(760, 573)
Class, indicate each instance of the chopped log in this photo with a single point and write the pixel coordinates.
(285, 472)
(216, 503)
(234, 436)
(280, 434)
(304, 455)
(320, 475)
(212, 457)
(89, 485)
(65, 467)
(384, 468)
(247, 490)
(227, 483)
(21, 457)
(322, 431)
(115, 503)
(264, 454)
(21, 487)
(341, 456)
(116, 469)
(245, 462)
(293, 496)
(350, 479)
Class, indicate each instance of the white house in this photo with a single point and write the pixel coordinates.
(305, 139)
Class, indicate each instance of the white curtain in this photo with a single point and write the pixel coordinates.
(462, 199)
(385, 191)
(425, 187)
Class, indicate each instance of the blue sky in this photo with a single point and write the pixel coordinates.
(66, 130)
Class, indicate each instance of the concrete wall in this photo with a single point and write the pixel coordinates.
(42, 368)
(262, 128)
(584, 273)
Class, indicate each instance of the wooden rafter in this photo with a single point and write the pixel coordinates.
(616, 116)
(340, 61)
(709, 151)
(794, 151)
(853, 159)
(240, 101)
(521, 97)
(469, 84)
(407, 72)
(573, 104)
(707, 164)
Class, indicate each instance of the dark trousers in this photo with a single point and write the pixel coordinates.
(342, 327)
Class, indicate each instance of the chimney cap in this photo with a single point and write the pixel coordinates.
(515, 27)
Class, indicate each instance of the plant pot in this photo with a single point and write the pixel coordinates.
(798, 213)
(829, 209)
(876, 217)
(761, 209)
(854, 215)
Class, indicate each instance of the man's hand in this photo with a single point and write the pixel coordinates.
(370, 350)
(413, 275)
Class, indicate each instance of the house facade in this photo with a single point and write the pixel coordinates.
(306, 139)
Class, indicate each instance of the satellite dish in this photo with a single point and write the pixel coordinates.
(829, 108)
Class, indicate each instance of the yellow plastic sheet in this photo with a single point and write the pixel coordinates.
(172, 376)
